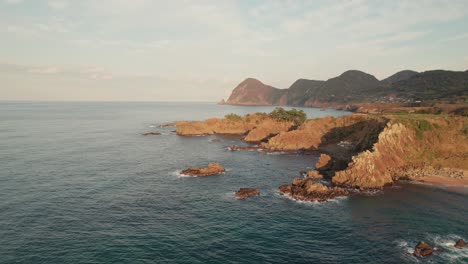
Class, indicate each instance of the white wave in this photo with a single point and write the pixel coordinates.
(336, 200)
(178, 174)
(152, 126)
(445, 246)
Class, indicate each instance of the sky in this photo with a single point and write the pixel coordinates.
(144, 50)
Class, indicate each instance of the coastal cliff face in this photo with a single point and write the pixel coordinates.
(407, 145)
(316, 132)
(253, 92)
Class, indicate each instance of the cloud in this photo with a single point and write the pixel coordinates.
(57, 4)
(45, 70)
(13, 1)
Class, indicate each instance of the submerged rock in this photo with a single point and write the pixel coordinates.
(152, 134)
(461, 243)
(310, 190)
(212, 169)
(244, 193)
(423, 250)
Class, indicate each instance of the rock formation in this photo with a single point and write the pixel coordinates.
(244, 193)
(212, 169)
(313, 174)
(310, 190)
(152, 134)
(423, 250)
(324, 162)
(256, 127)
(266, 129)
(461, 243)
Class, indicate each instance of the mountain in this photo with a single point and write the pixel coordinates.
(355, 86)
(433, 85)
(400, 76)
(298, 93)
(253, 92)
(350, 86)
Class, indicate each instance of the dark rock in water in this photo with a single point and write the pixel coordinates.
(423, 250)
(310, 190)
(303, 173)
(461, 243)
(215, 140)
(248, 148)
(212, 169)
(244, 193)
(152, 134)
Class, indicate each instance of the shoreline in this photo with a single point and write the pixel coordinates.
(443, 181)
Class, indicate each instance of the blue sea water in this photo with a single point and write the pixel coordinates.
(80, 184)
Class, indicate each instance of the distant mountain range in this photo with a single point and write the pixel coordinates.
(356, 87)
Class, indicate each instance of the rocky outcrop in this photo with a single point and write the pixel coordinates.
(313, 174)
(212, 169)
(310, 190)
(244, 193)
(363, 151)
(423, 250)
(324, 162)
(215, 126)
(408, 142)
(256, 127)
(152, 134)
(310, 134)
(461, 243)
(266, 129)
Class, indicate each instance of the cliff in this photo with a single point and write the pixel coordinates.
(253, 92)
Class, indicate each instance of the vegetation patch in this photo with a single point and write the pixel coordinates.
(233, 117)
(296, 116)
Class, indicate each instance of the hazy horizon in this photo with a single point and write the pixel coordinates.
(181, 51)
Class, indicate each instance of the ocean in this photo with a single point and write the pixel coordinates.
(79, 183)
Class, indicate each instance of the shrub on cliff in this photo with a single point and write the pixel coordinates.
(296, 116)
(233, 117)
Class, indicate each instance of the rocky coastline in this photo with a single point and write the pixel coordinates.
(357, 152)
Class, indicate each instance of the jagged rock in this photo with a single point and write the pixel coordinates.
(310, 190)
(212, 169)
(152, 134)
(423, 250)
(313, 174)
(244, 193)
(324, 162)
(461, 243)
(266, 129)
